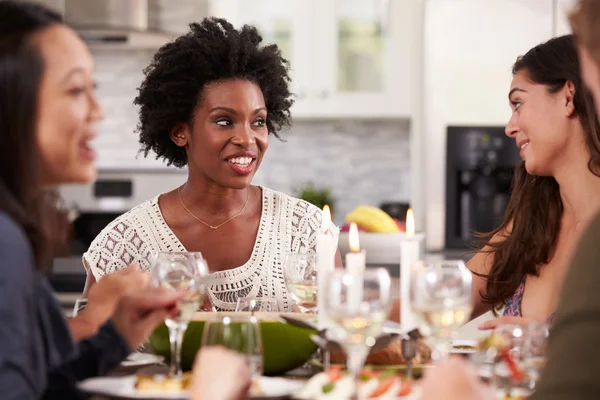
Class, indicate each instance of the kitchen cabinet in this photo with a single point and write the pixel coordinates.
(349, 58)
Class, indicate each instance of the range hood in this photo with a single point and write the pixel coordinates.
(113, 24)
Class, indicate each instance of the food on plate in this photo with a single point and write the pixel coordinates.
(372, 219)
(464, 347)
(337, 384)
(391, 355)
(162, 382)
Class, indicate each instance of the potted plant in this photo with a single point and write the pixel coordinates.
(316, 196)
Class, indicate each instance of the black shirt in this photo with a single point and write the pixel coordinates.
(38, 358)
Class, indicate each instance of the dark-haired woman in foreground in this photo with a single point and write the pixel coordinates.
(48, 113)
(556, 189)
(210, 101)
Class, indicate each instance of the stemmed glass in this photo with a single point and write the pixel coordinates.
(357, 304)
(300, 273)
(181, 271)
(256, 304)
(239, 333)
(441, 298)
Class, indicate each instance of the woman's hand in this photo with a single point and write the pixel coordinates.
(493, 323)
(103, 298)
(220, 374)
(454, 380)
(138, 314)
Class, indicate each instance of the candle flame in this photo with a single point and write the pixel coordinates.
(326, 219)
(353, 238)
(410, 223)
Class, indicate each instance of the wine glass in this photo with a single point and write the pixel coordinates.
(357, 304)
(441, 298)
(181, 271)
(300, 273)
(256, 304)
(80, 305)
(239, 333)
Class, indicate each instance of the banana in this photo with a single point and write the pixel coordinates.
(372, 219)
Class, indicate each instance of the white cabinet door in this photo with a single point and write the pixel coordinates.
(561, 10)
(349, 58)
(363, 56)
(286, 23)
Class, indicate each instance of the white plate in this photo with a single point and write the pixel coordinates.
(139, 359)
(123, 387)
(454, 343)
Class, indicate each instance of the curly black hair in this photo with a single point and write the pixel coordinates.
(212, 51)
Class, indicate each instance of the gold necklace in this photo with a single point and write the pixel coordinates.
(211, 226)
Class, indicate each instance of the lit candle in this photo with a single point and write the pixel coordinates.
(325, 263)
(355, 265)
(410, 249)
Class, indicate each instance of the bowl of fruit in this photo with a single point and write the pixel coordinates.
(379, 234)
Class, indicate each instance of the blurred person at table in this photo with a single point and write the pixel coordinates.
(555, 193)
(573, 355)
(210, 101)
(48, 113)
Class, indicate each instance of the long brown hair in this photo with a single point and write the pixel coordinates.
(21, 68)
(527, 236)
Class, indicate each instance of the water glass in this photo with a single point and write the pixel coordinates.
(440, 294)
(181, 271)
(300, 273)
(357, 304)
(535, 352)
(509, 374)
(237, 333)
(256, 304)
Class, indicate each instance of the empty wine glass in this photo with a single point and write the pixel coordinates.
(357, 304)
(239, 333)
(300, 273)
(256, 304)
(441, 298)
(182, 271)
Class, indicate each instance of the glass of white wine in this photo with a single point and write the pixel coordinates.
(238, 333)
(256, 304)
(357, 304)
(441, 298)
(300, 273)
(181, 271)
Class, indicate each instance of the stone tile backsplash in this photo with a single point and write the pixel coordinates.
(362, 161)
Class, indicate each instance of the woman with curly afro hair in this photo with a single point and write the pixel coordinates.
(210, 101)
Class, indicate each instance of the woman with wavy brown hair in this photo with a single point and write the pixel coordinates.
(556, 189)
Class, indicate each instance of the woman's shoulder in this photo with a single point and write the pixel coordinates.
(119, 243)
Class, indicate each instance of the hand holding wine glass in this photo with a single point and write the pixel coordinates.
(176, 272)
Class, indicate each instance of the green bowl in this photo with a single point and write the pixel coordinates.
(285, 347)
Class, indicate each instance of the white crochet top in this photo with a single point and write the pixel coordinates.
(287, 225)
